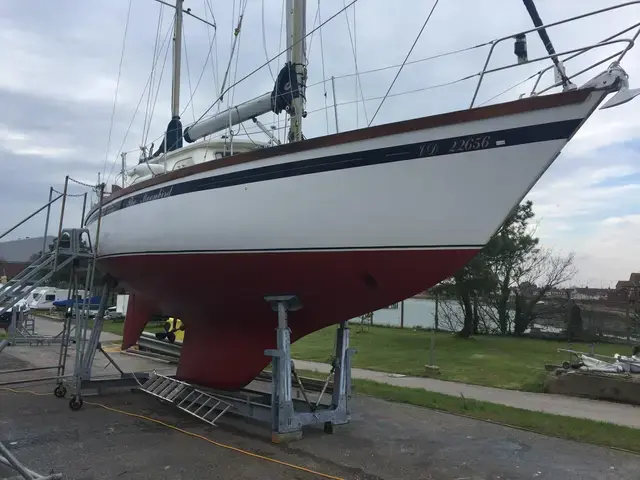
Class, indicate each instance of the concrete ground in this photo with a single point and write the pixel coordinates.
(383, 441)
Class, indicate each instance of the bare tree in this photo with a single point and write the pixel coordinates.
(451, 314)
(547, 271)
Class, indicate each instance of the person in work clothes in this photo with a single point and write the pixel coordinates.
(173, 330)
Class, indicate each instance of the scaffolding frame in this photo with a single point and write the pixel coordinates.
(73, 249)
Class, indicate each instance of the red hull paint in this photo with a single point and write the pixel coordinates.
(229, 325)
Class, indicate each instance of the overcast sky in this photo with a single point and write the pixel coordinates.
(60, 73)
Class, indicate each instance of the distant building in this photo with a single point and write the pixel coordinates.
(629, 289)
(633, 282)
(590, 293)
(11, 269)
(556, 292)
(577, 293)
(22, 250)
(15, 255)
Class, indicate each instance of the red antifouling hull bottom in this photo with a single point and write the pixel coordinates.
(229, 325)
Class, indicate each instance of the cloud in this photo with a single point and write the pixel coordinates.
(611, 248)
(61, 62)
(588, 205)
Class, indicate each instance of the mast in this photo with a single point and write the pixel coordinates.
(288, 93)
(296, 57)
(177, 51)
(173, 137)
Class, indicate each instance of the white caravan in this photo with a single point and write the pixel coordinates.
(42, 298)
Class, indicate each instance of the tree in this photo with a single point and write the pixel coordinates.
(505, 281)
(548, 271)
(507, 253)
(470, 282)
(492, 273)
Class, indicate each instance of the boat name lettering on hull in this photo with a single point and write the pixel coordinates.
(148, 197)
(455, 145)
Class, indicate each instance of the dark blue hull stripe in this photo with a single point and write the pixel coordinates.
(446, 146)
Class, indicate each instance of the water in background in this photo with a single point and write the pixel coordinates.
(420, 312)
(417, 312)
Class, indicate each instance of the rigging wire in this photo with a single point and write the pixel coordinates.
(257, 69)
(324, 75)
(355, 62)
(154, 76)
(204, 67)
(406, 92)
(192, 92)
(509, 89)
(138, 107)
(153, 67)
(405, 60)
(164, 64)
(412, 62)
(277, 120)
(239, 37)
(264, 44)
(236, 34)
(315, 20)
(115, 99)
(247, 134)
(215, 44)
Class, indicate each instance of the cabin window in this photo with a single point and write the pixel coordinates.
(49, 298)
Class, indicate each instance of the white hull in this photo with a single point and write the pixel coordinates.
(449, 200)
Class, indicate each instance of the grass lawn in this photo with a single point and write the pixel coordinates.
(582, 430)
(115, 327)
(118, 327)
(503, 362)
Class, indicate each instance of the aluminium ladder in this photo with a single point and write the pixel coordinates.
(186, 397)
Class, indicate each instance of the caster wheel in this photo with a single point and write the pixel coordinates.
(566, 365)
(60, 391)
(76, 403)
(328, 427)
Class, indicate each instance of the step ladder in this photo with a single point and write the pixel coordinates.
(186, 397)
(75, 244)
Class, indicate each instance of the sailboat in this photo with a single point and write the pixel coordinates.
(348, 222)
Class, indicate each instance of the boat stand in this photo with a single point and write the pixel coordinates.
(286, 423)
(287, 413)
